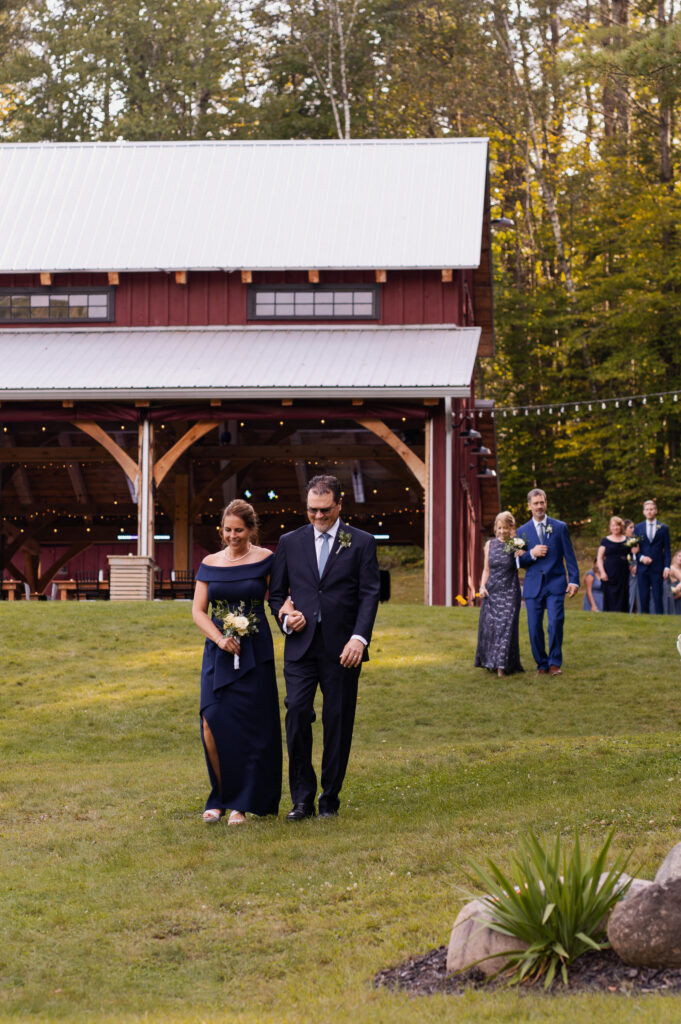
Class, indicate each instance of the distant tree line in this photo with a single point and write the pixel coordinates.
(581, 102)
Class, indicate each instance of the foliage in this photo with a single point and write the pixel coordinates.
(553, 901)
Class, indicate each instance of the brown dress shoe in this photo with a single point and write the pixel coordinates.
(555, 671)
(542, 671)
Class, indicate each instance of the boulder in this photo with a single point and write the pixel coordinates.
(472, 939)
(645, 928)
(671, 865)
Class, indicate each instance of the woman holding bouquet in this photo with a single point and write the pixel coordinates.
(240, 724)
(613, 566)
(498, 644)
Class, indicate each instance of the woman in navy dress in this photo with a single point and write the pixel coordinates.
(613, 566)
(498, 645)
(240, 722)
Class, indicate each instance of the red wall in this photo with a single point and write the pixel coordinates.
(154, 299)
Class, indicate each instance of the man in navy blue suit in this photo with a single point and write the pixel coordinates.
(654, 557)
(549, 551)
(330, 573)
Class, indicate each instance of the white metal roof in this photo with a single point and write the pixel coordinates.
(237, 362)
(386, 204)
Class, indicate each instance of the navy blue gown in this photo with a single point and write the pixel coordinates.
(241, 706)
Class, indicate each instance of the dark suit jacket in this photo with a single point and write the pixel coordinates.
(660, 549)
(549, 571)
(347, 593)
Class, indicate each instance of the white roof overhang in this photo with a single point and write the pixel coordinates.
(237, 362)
(270, 205)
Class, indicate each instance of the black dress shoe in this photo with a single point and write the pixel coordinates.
(300, 811)
(328, 814)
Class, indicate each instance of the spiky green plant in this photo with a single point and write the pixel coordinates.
(555, 901)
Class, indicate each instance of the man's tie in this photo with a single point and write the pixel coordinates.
(650, 532)
(541, 532)
(324, 553)
(323, 558)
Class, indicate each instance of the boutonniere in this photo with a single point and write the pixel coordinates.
(548, 529)
(344, 540)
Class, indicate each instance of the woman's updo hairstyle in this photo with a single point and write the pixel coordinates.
(246, 513)
(504, 519)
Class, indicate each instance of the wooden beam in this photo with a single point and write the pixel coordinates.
(49, 574)
(181, 523)
(382, 430)
(277, 452)
(180, 277)
(313, 276)
(381, 276)
(45, 279)
(447, 275)
(216, 403)
(247, 277)
(75, 475)
(67, 404)
(113, 277)
(128, 465)
(287, 401)
(79, 453)
(167, 461)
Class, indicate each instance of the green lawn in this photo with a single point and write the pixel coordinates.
(118, 904)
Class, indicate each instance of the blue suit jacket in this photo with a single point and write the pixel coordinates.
(659, 549)
(548, 572)
(347, 592)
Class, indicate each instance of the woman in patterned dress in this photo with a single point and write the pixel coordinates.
(498, 644)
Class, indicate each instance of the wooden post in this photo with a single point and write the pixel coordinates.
(181, 523)
(427, 494)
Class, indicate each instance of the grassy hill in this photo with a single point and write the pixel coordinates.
(118, 904)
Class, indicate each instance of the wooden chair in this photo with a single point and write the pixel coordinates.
(89, 588)
(158, 584)
(181, 585)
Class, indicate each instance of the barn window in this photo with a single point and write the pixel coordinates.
(40, 305)
(321, 302)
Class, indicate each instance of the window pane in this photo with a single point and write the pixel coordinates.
(40, 300)
(5, 310)
(364, 297)
(323, 305)
(342, 309)
(304, 300)
(77, 300)
(77, 312)
(21, 306)
(59, 311)
(284, 309)
(264, 310)
(363, 310)
(264, 297)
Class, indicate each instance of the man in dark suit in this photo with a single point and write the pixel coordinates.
(330, 572)
(654, 557)
(549, 551)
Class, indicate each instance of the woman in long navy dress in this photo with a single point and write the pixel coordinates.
(613, 566)
(240, 722)
(498, 644)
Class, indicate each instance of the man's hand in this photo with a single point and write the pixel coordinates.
(572, 589)
(352, 654)
(539, 551)
(296, 621)
(665, 574)
(646, 559)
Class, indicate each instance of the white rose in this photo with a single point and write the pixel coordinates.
(240, 623)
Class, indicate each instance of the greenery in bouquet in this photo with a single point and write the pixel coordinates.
(514, 545)
(236, 621)
(555, 901)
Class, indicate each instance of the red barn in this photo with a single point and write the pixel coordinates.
(184, 323)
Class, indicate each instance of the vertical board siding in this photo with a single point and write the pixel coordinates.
(218, 297)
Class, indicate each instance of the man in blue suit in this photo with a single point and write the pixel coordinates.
(654, 557)
(330, 573)
(549, 551)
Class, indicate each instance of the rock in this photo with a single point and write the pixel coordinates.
(645, 928)
(671, 865)
(472, 939)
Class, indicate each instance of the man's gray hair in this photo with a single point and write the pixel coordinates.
(533, 494)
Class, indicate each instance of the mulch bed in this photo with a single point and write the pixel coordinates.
(594, 972)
